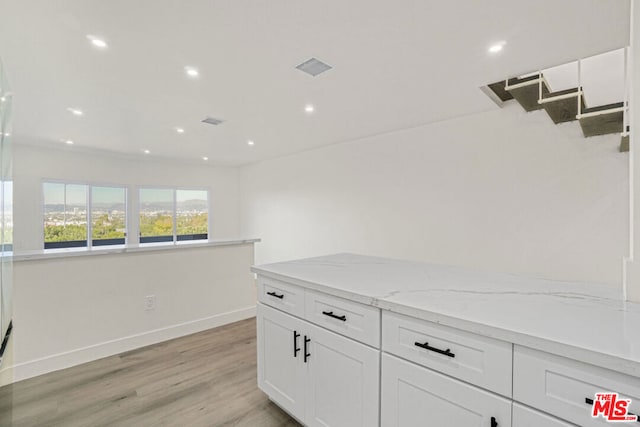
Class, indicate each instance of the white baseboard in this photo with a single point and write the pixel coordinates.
(55, 362)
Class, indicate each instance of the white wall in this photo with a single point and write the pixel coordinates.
(76, 309)
(32, 165)
(502, 190)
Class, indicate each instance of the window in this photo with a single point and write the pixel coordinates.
(108, 216)
(73, 212)
(192, 214)
(156, 215)
(65, 215)
(170, 215)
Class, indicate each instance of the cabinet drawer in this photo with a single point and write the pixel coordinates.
(280, 295)
(416, 396)
(525, 417)
(562, 386)
(478, 360)
(358, 321)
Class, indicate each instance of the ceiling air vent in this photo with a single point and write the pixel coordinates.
(212, 121)
(313, 67)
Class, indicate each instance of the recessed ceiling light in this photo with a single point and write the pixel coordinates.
(192, 71)
(179, 130)
(97, 42)
(309, 108)
(75, 111)
(497, 47)
(69, 142)
(2, 99)
(146, 151)
(251, 142)
(205, 158)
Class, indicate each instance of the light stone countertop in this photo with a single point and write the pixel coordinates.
(583, 321)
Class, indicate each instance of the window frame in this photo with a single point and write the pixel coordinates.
(89, 201)
(90, 216)
(174, 190)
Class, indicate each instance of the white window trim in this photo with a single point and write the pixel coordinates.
(174, 189)
(132, 215)
(89, 185)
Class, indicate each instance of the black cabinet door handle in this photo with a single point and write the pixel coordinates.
(589, 401)
(494, 423)
(273, 294)
(426, 346)
(335, 316)
(296, 349)
(306, 353)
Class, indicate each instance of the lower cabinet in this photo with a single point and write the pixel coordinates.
(319, 377)
(417, 396)
(314, 363)
(281, 373)
(526, 417)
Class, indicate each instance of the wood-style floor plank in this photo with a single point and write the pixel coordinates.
(202, 380)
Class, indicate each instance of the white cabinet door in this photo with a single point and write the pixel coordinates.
(526, 417)
(566, 388)
(416, 396)
(343, 381)
(280, 367)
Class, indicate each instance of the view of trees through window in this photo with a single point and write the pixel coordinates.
(108, 215)
(192, 214)
(65, 215)
(156, 215)
(165, 215)
(157, 208)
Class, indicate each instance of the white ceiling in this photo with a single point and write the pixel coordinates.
(396, 64)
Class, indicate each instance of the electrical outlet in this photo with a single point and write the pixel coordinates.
(150, 302)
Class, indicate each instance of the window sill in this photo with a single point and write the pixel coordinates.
(120, 249)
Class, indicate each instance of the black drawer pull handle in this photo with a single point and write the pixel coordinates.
(335, 316)
(426, 346)
(273, 294)
(306, 353)
(296, 349)
(589, 401)
(494, 423)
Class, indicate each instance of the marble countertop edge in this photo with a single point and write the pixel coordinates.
(586, 355)
(593, 355)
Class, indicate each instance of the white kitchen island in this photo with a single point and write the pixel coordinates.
(350, 340)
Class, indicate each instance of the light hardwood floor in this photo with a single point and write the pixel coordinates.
(205, 379)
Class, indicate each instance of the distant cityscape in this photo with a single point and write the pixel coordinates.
(109, 221)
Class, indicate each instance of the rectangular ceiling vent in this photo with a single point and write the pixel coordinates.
(313, 67)
(212, 121)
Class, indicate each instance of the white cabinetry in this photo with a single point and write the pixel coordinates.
(433, 358)
(566, 388)
(525, 417)
(281, 372)
(351, 319)
(319, 377)
(481, 361)
(415, 396)
(342, 381)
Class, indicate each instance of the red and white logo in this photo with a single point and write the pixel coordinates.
(612, 408)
